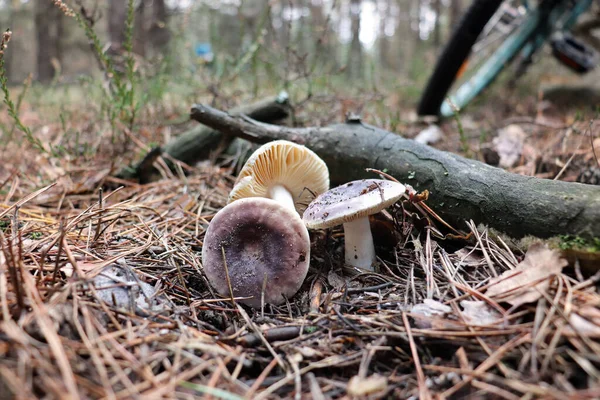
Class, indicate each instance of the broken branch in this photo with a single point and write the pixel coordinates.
(460, 189)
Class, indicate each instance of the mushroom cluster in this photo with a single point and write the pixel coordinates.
(257, 247)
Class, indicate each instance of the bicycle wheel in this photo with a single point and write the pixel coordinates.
(485, 41)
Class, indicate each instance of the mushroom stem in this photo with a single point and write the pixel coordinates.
(360, 251)
(283, 196)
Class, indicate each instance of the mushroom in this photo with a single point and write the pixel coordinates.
(264, 243)
(350, 205)
(285, 172)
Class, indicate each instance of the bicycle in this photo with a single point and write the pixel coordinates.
(491, 34)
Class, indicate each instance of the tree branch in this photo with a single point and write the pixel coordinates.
(460, 189)
(199, 142)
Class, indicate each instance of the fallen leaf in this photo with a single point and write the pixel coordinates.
(469, 258)
(479, 313)
(309, 352)
(121, 288)
(509, 145)
(527, 282)
(431, 315)
(429, 135)
(335, 280)
(358, 386)
(182, 205)
(430, 308)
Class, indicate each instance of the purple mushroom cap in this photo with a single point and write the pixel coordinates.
(261, 238)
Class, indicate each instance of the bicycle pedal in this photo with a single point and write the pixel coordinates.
(574, 53)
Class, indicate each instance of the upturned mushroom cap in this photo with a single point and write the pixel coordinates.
(260, 237)
(285, 163)
(351, 201)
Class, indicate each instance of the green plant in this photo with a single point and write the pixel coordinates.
(26, 86)
(127, 90)
(577, 242)
(13, 110)
(464, 143)
(36, 235)
(120, 96)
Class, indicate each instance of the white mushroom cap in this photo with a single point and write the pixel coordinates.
(351, 201)
(260, 238)
(350, 205)
(282, 163)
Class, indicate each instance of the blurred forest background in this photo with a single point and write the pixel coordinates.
(307, 46)
(100, 72)
(367, 37)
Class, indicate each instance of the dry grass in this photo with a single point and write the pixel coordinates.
(344, 335)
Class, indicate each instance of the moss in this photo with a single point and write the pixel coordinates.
(572, 242)
(36, 235)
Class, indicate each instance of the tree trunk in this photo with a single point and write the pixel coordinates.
(354, 62)
(159, 32)
(455, 13)
(437, 27)
(416, 22)
(117, 16)
(139, 29)
(285, 27)
(460, 189)
(319, 28)
(383, 41)
(325, 40)
(48, 20)
(402, 35)
(229, 39)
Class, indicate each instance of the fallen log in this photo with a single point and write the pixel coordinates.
(198, 143)
(460, 189)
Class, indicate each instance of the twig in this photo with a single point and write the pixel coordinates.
(423, 390)
(227, 277)
(99, 223)
(261, 337)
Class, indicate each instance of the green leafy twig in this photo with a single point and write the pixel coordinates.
(26, 86)
(121, 92)
(128, 91)
(12, 109)
(464, 143)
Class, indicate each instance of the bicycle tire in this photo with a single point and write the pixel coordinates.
(454, 54)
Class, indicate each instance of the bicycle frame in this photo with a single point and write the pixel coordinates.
(540, 23)
(562, 18)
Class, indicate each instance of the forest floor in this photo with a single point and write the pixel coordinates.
(102, 292)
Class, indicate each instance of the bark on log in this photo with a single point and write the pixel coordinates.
(460, 189)
(198, 143)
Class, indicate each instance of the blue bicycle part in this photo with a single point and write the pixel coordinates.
(494, 65)
(531, 30)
